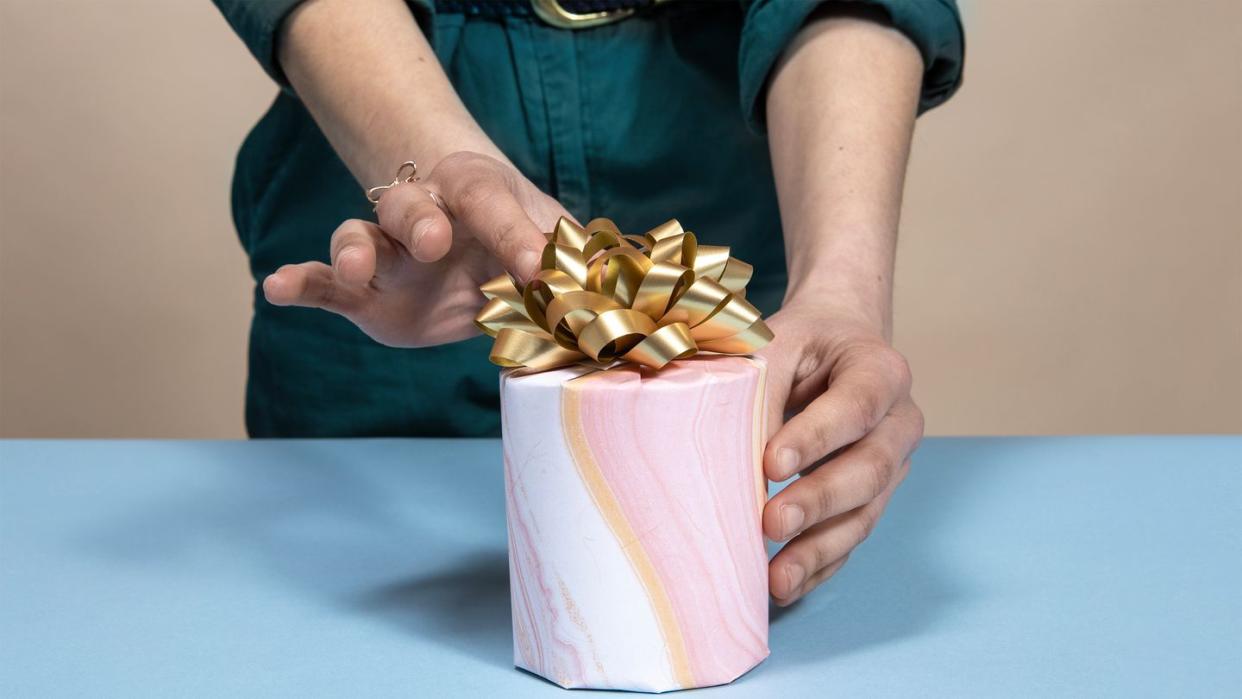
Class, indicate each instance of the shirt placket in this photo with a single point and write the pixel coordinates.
(548, 69)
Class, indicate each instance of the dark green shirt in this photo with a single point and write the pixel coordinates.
(654, 117)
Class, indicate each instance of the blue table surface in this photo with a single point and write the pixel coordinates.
(1091, 566)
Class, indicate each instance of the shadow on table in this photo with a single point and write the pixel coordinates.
(466, 606)
(895, 585)
(367, 533)
(376, 533)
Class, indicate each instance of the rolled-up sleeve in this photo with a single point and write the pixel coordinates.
(934, 26)
(258, 23)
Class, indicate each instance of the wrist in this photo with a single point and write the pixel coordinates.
(452, 138)
(844, 288)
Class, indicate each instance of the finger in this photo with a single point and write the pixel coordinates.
(409, 215)
(801, 564)
(359, 251)
(486, 206)
(548, 212)
(308, 285)
(855, 477)
(857, 399)
(812, 582)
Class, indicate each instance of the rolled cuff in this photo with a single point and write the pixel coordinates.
(258, 24)
(934, 26)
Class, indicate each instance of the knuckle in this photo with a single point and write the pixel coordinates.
(821, 556)
(823, 433)
(918, 424)
(326, 294)
(821, 502)
(879, 472)
(917, 416)
(473, 192)
(902, 472)
(862, 413)
(898, 367)
(864, 524)
(875, 469)
(506, 235)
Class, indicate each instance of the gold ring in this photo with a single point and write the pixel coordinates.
(439, 202)
(408, 172)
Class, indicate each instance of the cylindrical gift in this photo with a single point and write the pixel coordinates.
(636, 555)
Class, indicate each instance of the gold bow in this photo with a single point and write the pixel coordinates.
(601, 296)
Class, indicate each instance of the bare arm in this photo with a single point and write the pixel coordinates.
(368, 76)
(840, 110)
(841, 114)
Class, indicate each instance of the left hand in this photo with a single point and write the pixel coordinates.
(852, 429)
(413, 280)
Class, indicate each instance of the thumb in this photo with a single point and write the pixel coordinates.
(410, 215)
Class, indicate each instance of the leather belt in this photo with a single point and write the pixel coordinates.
(565, 14)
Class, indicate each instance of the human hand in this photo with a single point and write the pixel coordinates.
(382, 277)
(850, 436)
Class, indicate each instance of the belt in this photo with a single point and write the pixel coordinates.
(565, 14)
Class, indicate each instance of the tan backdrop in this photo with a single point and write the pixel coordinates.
(1071, 258)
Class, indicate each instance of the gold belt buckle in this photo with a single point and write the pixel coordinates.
(554, 14)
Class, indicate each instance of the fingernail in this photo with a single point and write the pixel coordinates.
(420, 230)
(787, 461)
(795, 574)
(527, 264)
(792, 518)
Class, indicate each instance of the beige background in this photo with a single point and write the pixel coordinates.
(1071, 259)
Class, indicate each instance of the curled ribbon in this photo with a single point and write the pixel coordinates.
(600, 297)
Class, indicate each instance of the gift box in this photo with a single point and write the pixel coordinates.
(633, 431)
(636, 556)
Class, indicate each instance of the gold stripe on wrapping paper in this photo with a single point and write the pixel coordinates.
(600, 297)
(593, 478)
(760, 438)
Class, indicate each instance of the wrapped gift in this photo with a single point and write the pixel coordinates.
(636, 558)
(633, 437)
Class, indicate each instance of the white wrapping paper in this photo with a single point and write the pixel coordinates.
(636, 554)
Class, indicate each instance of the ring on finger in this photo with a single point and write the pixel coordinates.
(408, 172)
(439, 201)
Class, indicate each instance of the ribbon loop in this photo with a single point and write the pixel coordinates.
(565, 259)
(569, 233)
(601, 296)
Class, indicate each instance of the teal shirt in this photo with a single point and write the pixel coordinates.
(654, 117)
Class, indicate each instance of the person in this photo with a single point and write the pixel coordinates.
(518, 112)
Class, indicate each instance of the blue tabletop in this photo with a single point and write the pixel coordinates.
(1004, 567)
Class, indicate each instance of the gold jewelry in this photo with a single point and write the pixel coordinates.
(440, 203)
(374, 193)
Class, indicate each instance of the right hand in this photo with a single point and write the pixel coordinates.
(413, 280)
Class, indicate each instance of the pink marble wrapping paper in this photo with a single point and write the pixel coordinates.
(636, 557)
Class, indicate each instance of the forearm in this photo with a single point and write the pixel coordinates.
(373, 84)
(840, 114)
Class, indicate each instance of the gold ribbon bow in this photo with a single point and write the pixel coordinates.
(601, 296)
